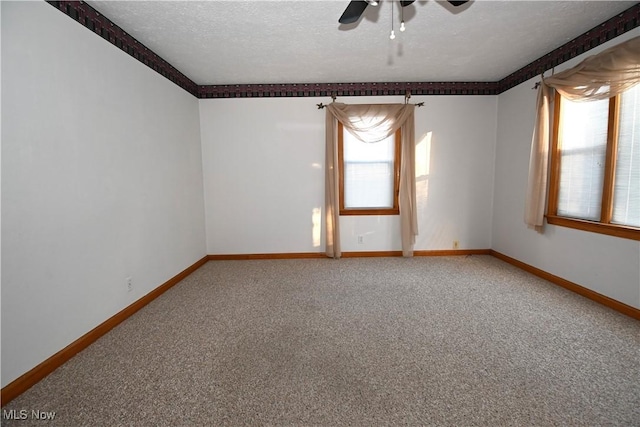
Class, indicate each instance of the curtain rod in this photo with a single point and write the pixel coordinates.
(537, 84)
(406, 101)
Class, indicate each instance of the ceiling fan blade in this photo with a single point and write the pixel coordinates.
(353, 12)
(457, 3)
(405, 3)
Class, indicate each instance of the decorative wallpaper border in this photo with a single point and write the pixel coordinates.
(86, 15)
(347, 89)
(102, 26)
(608, 30)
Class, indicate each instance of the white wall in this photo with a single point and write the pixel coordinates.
(101, 180)
(264, 175)
(605, 264)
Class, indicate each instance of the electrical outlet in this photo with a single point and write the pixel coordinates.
(456, 244)
(360, 239)
(129, 282)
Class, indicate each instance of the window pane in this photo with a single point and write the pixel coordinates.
(368, 173)
(626, 192)
(582, 158)
(368, 185)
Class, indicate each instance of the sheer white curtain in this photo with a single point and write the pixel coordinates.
(371, 123)
(600, 76)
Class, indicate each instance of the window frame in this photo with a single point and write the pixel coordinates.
(395, 210)
(604, 225)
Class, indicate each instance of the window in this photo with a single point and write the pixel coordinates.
(595, 165)
(369, 175)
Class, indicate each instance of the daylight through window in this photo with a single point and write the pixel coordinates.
(369, 174)
(595, 165)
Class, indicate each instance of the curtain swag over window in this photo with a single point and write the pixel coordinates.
(600, 76)
(371, 123)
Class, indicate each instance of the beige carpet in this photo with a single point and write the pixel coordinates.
(452, 341)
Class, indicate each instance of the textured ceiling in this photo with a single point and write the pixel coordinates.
(249, 42)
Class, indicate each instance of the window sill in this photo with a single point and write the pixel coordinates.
(595, 227)
(395, 211)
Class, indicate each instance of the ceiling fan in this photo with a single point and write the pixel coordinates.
(356, 8)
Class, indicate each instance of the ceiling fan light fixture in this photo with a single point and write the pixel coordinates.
(373, 2)
(393, 34)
